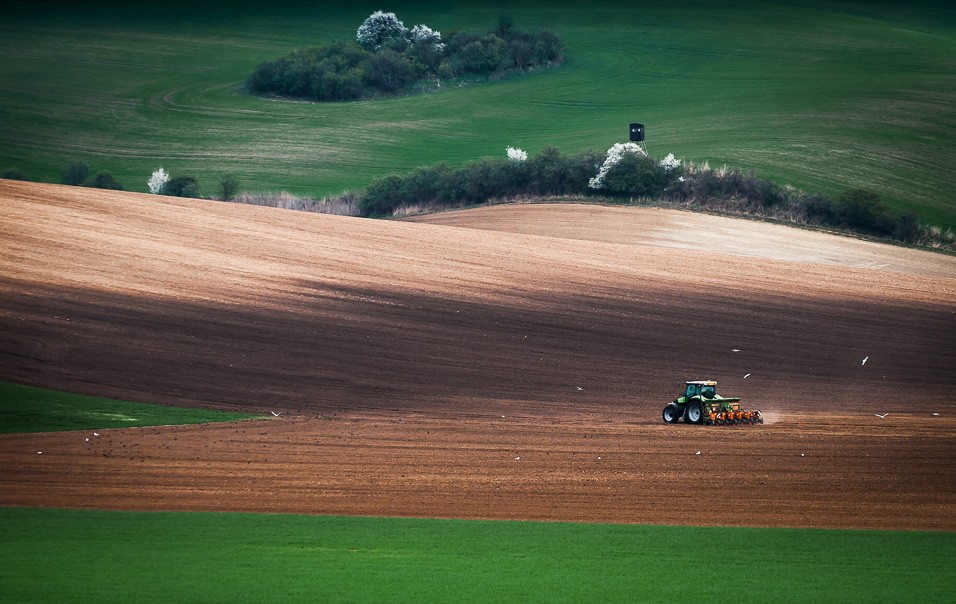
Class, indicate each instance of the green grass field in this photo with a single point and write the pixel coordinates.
(72, 555)
(820, 95)
(28, 409)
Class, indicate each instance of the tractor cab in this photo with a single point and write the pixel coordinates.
(700, 388)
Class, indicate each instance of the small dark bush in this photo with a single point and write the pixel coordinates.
(75, 174)
(103, 180)
(635, 175)
(228, 187)
(430, 184)
(907, 228)
(818, 209)
(389, 71)
(478, 55)
(383, 196)
(546, 47)
(13, 174)
(860, 210)
(182, 186)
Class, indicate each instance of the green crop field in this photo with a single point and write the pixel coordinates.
(28, 409)
(84, 556)
(823, 96)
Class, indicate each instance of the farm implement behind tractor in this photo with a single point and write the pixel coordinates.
(701, 404)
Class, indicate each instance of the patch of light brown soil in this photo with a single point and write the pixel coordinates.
(692, 231)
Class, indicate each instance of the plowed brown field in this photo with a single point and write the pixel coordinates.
(510, 362)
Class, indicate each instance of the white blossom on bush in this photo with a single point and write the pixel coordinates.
(157, 181)
(670, 162)
(422, 34)
(516, 154)
(379, 29)
(614, 155)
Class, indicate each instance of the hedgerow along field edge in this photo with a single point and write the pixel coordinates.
(29, 409)
(76, 555)
(819, 97)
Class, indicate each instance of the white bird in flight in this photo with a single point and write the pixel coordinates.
(276, 414)
(881, 416)
(864, 360)
(747, 376)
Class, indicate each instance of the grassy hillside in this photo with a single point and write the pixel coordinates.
(821, 96)
(73, 555)
(28, 409)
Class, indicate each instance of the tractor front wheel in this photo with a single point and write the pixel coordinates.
(693, 414)
(671, 413)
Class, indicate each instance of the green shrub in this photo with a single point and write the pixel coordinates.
(552, 173)
(546, 47)
(228, 187)
(389, 72)
(635, 175)
(103, 180)
(182, 186)
(13, 174)
(431, 184)
(478, 54)
(75, 174)
(907, 228)
(861, 210)
(818, 209)
(383, 196)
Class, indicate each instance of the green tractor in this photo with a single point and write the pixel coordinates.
(701, 404)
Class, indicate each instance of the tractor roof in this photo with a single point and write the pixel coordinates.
(704, 382)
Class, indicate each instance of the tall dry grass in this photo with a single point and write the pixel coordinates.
(343, 205)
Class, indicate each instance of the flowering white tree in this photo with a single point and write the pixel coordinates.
(379, 29)
(157, 181)
(516, 154)
(614, 155)
(422, 34)
(670, 163)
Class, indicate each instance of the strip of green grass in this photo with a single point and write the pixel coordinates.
(825, 96)
(28, 409)
(71, 555)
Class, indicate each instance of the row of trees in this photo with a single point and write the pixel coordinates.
(625, 172)
(387, 58)
(548, 173)
(78, 173)
(160, 183)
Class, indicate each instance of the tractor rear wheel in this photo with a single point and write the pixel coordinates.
(693, 413)
(671, 413)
